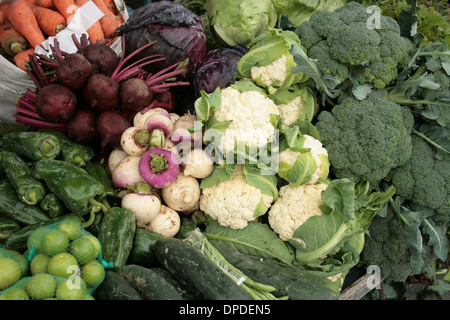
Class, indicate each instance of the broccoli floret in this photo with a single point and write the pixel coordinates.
(385, 247)
(443, 79)
(370, 55)
(424, 180)
(366, 139)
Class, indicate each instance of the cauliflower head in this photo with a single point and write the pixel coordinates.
(294, 206)
(275, 72)
(249, 114)
(234, 202)
(306, 166)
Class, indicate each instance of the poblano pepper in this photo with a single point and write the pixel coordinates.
(34, 145)
(29, 189)
(72, 151)
(78, 190)
(53, 205)
(99, 172)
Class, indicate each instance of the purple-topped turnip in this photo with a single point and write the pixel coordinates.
(135, 141)
(158, 167)
(127, 172)
(142, 202)
(160, 128)
(181, 128)
(139, 118)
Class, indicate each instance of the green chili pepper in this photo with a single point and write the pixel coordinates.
(34, 145)
(2, 170)
(99, 172)
(78, 190)
(53, 205)
(72, 151)
(14, 208)
(29, 189)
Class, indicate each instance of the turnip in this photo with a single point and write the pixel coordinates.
(142, 203)
(74, 70)
(135, 141)
(103, 59)
(135, 94)
(81, 126)
(166, 223)
(55, 103)
(110, 126)
(174, 116)
(160, 128)
(183, 194)
(115, 157)
(101, 92)
(181, 129)
(198, 163)
(158, 167)
(126, 173)
(140, 117)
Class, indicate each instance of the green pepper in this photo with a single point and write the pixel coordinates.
(14, 208)
(29, 189)
(2, 170)
(99, 172)
(72, 151)
(78, 190)
(34, 145)
(7, 227)
(53, 205)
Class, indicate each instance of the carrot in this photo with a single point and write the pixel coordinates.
(31, 2)
(22, 58)
(50, 21)
(111, 6)
(46, 3)
(1, 18)
(95, 32)
(109, 21)
(66, 7)
(11, 41)
(3, 8)
(22, 18)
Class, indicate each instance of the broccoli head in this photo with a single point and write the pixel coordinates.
(385, 247)
(367, 138)
(424, 181)
(370, 55)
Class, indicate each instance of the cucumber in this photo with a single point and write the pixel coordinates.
(171, 279)
(142, 251)
(289, 280)
(196, 271)
(116, 235)
(7, 227)
(149, 284)
(114, 287)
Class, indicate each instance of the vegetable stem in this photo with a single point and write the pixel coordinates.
(158, 163)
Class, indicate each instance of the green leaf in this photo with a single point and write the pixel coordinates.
(260, 209)
(266, 183)
(207, 103)
(220, 173)
(255, 239)
(437, 239)
(438, 137)
(301, 172)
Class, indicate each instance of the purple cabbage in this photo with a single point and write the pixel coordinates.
(178, 32)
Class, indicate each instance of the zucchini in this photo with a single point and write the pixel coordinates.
(149, 284)
(196, 271)
(142, 251)
(289, 280)
(114, 287)
(116, 235)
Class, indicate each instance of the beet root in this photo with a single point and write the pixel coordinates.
(55, 103)
(74, 71)
(81, 127)
(110, 126)
(101, 92)
(135, 94)
(103, 59)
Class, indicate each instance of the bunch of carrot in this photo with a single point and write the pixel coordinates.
(24, 24)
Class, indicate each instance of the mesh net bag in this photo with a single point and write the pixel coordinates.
(64, 263)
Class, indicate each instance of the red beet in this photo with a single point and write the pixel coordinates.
(110, 126)
(135, 94)
(81, 127)
(103, 59)
(101, 92)
(74, 70)
(55, 103)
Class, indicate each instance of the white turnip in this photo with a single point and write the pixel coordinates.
(182, 126)
(115, 157)
(145, 206)
(167, 223)
(198, 163)
(160, 128)
(135, 141)
(126, 173)
(183, 194)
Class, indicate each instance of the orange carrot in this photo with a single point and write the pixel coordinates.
(50, 21)
(95, 32)
(21, 16)
(22, 58)
(11, 41)
(46, 3)
(3, 8)
(111, 6)
(1, 18)
(66, 7)
(109, 21)
(31, 2)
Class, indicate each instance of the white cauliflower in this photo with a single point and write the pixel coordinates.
(233, 203)
(275, 72)
(290, 112)
(250, 115)
(293, 207)
(317, 151)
